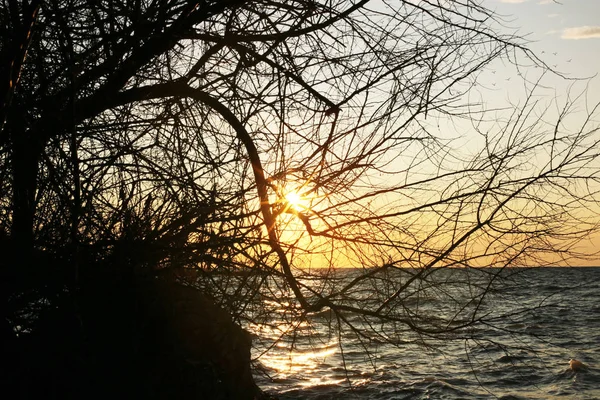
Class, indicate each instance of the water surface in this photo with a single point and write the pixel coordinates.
(540, 318)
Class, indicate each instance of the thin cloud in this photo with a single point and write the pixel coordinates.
(581, 32)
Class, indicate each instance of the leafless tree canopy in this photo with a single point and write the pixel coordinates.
(166, 135)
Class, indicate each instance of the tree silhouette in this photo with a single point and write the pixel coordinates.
(143, 139)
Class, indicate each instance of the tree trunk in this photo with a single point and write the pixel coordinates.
(25, 158)
(19, 268)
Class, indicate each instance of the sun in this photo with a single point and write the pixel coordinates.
(294, 200)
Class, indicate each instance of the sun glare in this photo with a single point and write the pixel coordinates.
(294, 200)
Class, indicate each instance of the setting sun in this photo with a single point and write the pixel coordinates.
(310, 199)
(294, 200)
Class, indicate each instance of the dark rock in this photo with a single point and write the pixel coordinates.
(195, 337)
(139, 338)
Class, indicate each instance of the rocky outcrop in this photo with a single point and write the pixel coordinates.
(194, 334)
(132, 338)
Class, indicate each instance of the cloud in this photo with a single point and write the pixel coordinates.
(581, 32)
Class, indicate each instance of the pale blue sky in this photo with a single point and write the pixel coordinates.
(565, 34)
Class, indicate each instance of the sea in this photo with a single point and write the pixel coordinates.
(533, 321)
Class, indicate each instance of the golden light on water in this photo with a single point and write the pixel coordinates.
(290, 362)
(285, 359)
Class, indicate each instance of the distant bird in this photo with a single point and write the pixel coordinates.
(555, 53)
(569, 60)
(493, 72)
(508, 79)
(543, 52)
(555, 65)
(577, 365)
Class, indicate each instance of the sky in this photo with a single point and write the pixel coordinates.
(564, 33)
(565, 36)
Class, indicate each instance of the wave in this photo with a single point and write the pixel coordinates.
(521, 355)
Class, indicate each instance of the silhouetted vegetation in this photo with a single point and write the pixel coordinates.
(146, 148)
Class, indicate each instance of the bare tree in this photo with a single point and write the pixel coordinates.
(282, 139)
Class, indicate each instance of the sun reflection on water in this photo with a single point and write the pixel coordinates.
(285, 363)
(284, 358)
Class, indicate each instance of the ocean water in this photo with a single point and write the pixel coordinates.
(533, 321)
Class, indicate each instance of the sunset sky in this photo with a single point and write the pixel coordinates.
(566, 37)
(565, 34)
